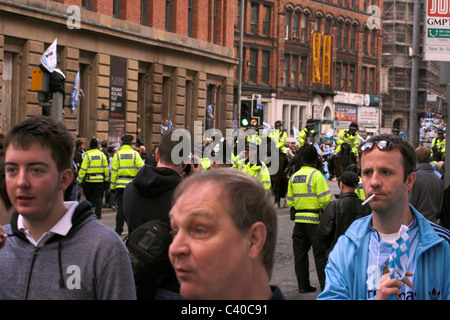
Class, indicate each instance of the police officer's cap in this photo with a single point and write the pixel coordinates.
(440, 131)
(127, 138)
(93, 144)
(353, 125)
(310, 155)
(277, 123)
(310, 122)
(350, 179)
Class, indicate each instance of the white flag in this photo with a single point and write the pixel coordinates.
(48, 59)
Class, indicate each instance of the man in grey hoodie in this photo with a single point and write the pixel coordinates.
(54, 249)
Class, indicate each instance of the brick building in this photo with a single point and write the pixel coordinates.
(278, 62)
(172, 58)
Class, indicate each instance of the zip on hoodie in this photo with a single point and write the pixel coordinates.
(35, 253)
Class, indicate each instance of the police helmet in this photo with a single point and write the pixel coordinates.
(310, 155)
(353, 125)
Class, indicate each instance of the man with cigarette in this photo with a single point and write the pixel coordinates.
(394, 252)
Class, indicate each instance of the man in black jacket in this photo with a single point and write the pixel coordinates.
(341, 212)
(149, 197)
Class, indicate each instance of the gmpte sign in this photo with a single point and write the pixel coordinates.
(437, 30)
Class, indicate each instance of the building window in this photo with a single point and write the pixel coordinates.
(287, 23)
(294, 71)
(339, 35)
(266, 21)
(295, 26)
(363, 80)
(116, 9)
(351, 83)
(86, 4)
(371, 81)
(345, 36)
(344, 77)
(327, 27)
(353, 38)
(286, 70)
(304, 27)
(168, 14)
(293, 117)
(303, 64)
(285, 116)
(252, 66)
(254, 10)
(373, 35)
(265, 67)
(338, 77)
(190, 16)
(364, 42)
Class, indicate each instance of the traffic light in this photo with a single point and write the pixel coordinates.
(258, 112)
(246, 111)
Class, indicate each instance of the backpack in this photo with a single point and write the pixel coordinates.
(149, 253)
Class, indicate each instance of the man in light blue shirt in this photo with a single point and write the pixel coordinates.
(356, 265)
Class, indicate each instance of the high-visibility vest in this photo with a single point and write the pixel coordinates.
(309, 194)
(260, 172)
(440, 144)
(353, 141)
(125, 166)
(94, 167)
(280, 138)
(301, 138)
(360, 191)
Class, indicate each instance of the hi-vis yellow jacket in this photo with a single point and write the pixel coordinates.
(125, 166)
(308, 194)
(94, 167)
(260, 172)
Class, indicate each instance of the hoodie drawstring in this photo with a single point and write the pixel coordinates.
(61, 278)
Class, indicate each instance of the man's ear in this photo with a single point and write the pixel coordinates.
(66, 179)
(257, 235)
(410, 181)
(157, 155)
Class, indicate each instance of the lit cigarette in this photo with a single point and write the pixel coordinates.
(368, 199)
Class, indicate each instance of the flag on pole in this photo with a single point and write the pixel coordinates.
(74, 95)
(48, 59)
(399, 258)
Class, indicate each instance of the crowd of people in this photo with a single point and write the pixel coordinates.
(222, 219)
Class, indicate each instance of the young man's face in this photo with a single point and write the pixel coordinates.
(382, 174)
(33, 183)
(208, 252)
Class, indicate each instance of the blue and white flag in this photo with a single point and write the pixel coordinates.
(170, 123)
(75, 94)
(296, 133)
(267, 127)
(48, 59)
(399, 258)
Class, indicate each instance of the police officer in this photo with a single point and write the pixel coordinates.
(308, 195)
(253, 166)
(307, 134)
(93, 175)
(439, 142)
(126, 164)
(279, 136)
(345, 136)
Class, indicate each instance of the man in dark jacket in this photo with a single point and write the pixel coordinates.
(149, 197)
(341, 212)
(427, 193)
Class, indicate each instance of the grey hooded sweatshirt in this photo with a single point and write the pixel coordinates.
(90, 262)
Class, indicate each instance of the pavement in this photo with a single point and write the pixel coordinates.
(283, 274)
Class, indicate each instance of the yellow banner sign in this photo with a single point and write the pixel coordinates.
(326, 60)
(317, 39)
